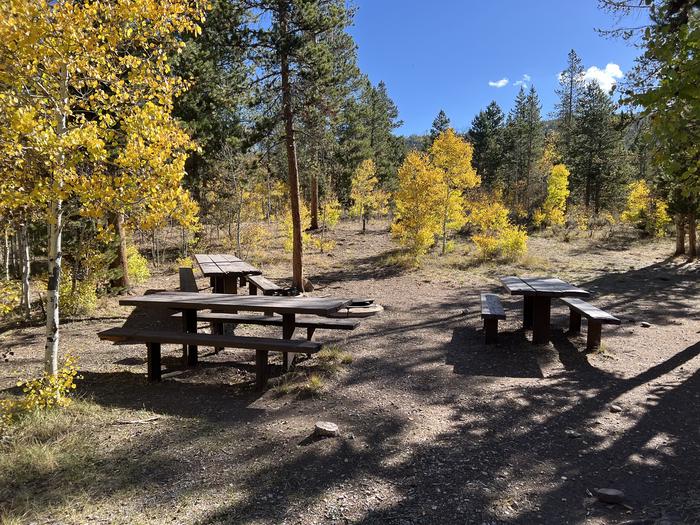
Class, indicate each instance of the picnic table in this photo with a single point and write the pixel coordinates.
(537, 295)
(224, 270)
(189, 303)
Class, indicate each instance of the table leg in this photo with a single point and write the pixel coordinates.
(230, 284)
(541, 312)
(189, 318)
(288, 325)
(261, 369)
(214, 282)
(153, 361)
(527, 311)
(574, 321)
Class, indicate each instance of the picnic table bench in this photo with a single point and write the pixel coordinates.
(224, 271)
(153, 339)
(537, 295)
(189, 303)
(491, 312)
(595, 316)
(258, 282)
(310, 322)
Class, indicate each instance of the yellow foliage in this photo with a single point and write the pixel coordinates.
(330, 212)
(451, 156)
(418, 216)
(137, 266)
(644, 211)
(367, 197)
(78, 297)
(255, 241)
(497, 236)
(288, 227)
(46, 392)
(85, 106)
(557, 192)
(10, 293)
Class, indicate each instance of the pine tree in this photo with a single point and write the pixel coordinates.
(486, 135)
(523, 144)
(597, 150)
(571, 84)
(294, 61)
(440, 125)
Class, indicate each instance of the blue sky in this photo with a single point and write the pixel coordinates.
(442, 54)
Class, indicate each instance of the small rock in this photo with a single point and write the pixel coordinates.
(644, 324)
(610, 495)
(615, 408)
(326, 429)
(572, 433)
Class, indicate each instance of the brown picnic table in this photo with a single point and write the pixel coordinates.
(189, 303)
(224, 270)
(537, 295)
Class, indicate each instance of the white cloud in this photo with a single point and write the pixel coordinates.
(499, 83)
(606, 78)
(523, 81)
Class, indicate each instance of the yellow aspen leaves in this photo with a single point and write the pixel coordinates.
(367, 197)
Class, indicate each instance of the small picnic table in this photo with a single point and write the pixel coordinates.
(191, 302)
(537, 295)
(224, 271)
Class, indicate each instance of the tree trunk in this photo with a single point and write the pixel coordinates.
(680, 234)
(120, 283)
(292, 165)
(52, 296)
(7, 254)
(314, 202)
(55, 256)
(692, 236)
(25, 304)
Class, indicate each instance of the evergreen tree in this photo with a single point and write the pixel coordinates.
(597, 155)
(294, 62)
(523, 144)
(213, 63)
(486, 135)
(571, 84)
(440, 125)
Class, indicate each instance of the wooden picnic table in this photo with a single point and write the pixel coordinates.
(537, 295)
(191, 302)
(224, 270)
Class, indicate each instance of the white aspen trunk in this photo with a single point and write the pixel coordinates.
(52, 297)
(55, 220)
(26, 270)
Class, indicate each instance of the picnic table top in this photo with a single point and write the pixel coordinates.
(233, 303)
(219, 264)
(543, 286)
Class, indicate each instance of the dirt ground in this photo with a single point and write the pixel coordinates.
(436, 427)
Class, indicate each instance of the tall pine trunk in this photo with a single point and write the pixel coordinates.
(290, 144)
(680, 234)
(25, 304)
(55, 257)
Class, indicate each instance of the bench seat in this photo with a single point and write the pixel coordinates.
(491, 312)
(310, 322)
(258, 282)
(596, 318)
(154, 338)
